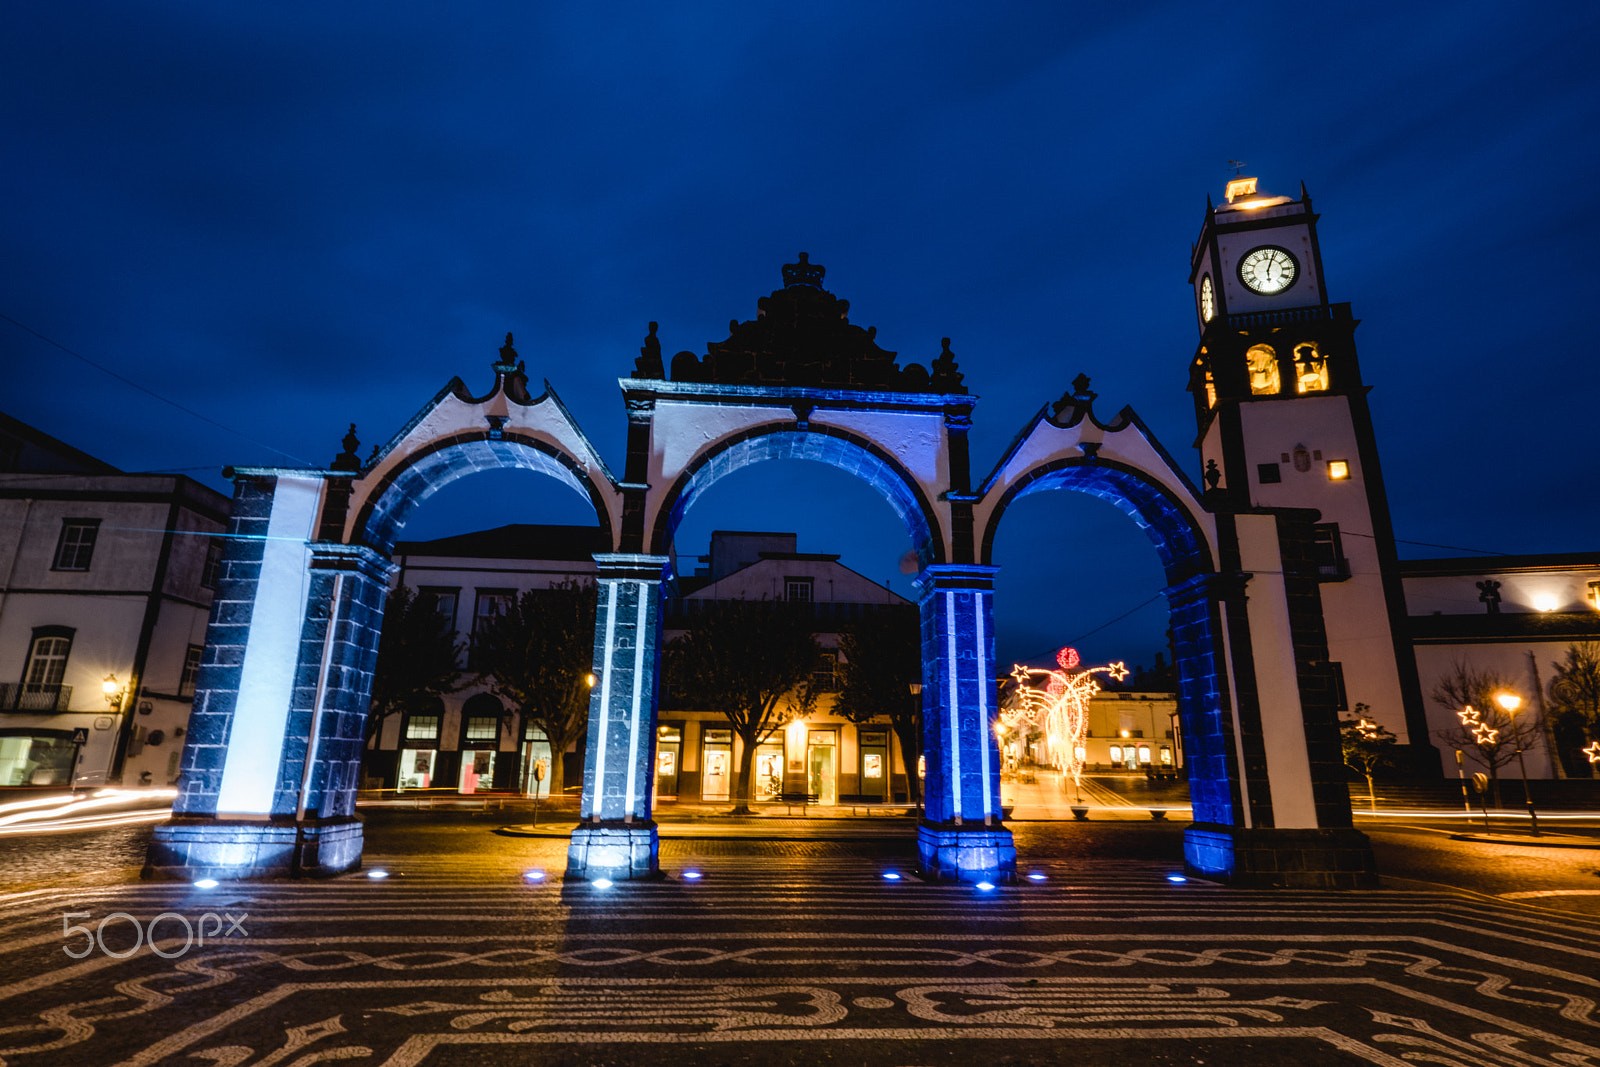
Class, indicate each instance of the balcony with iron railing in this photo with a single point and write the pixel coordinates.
(1289, 316)
(33, 696)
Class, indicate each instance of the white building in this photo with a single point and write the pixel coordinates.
(1509, 616)
(470, 742)
(697, 752)
(106, 590)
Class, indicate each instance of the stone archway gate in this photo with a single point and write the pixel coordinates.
(271, 762)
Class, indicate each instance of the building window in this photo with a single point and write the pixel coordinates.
(47, 659)
(76, 546)
(491, 603)
(1262, 363)
(1310, 369)
(191, 671)
(1327, 551)
(798, 589)
(1594, 595)
(482, 728)
(1269, 473)
(443, 601)
(213, 564)
(422, 728)
(825, 678)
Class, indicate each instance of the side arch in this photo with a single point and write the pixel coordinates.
(390, 502)
(848, 452)
(1170, 525)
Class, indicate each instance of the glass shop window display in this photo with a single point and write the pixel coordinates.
(416, 761)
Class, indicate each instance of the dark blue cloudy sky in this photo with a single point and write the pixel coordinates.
(293, 216)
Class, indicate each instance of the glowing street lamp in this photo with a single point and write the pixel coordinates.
(112, 690)
(1510, 702)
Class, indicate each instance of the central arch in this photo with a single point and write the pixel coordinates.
(395, 497)
(836, 447)
(1174, 531)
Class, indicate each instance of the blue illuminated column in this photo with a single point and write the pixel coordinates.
(616, 837)
(961, 836)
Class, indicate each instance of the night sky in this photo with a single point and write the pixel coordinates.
(290, 217)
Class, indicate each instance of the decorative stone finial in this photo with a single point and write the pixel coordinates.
(1213, 474)
(803, 273)
(649, 364)
(348, 460)
(1081, 390)
(945, 378)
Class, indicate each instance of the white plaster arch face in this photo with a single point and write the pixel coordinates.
(458, 435)
(900, 454)
(1120, 464)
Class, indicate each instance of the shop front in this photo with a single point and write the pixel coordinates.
(669, 759)
(716, 762)
(419, 752)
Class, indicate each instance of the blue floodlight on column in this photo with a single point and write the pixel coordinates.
(616, 836)
(961, 836)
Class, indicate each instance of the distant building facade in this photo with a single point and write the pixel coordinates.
(698, 754)
(108, 582)
(1509, 616)
(472, 740)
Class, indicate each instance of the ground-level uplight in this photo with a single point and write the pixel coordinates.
(1037, 876)
(601, 883)
(534, 876)
(206, 883)
(692, 875)
(1176, 878)
(985, 886)
(377, 875)
(893, 876)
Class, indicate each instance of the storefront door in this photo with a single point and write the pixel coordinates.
(669, 750)
(874, 764)
(716, 759)
(416, 768)
(477, 770)
(820, 764)
(769, 771)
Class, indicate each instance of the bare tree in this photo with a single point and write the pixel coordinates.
(753, 661)
(1575, 693)
(537, 656)
(1482, 726)
(882, 661)
(418, 659)
(1368, 747)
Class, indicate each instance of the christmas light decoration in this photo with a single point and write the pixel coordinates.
(1592, 753)
(1060, 707)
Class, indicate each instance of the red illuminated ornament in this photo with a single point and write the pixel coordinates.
(1060, 709)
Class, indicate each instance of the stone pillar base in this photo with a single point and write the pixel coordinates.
(1280, 859)
(190, 849)
(614, 850)
(966, 853)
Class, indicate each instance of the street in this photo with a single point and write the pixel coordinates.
(793, 945)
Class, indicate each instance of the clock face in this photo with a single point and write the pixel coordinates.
(1268, 270)
(1208, 299)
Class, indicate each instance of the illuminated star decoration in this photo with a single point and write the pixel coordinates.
(1482, 732)
(1367, 730)
(1592, 753)
(1060, 708)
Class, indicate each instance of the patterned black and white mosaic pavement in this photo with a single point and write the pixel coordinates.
(791, 958)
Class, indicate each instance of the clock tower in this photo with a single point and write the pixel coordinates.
(1284, 423)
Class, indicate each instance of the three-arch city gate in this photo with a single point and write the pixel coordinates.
(271, 761)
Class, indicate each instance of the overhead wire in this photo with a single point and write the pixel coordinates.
(151, 392)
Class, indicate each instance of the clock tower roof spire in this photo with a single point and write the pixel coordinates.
(1242, 193)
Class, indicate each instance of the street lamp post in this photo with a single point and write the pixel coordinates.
(1511, 702)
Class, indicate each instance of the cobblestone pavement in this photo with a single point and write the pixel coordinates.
(802, 951)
